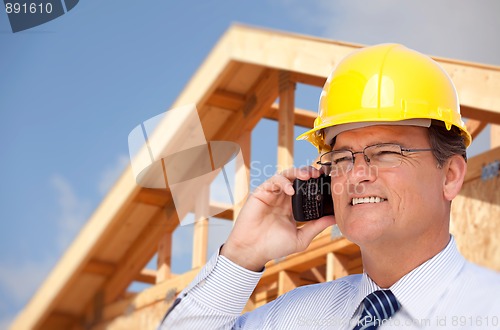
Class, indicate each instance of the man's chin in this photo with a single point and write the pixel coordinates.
(363, 232)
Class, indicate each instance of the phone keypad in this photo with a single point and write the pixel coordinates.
(312, 202)
(312, 199)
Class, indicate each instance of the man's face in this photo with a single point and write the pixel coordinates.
(408, 201)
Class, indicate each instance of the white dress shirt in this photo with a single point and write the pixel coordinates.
(445, 292)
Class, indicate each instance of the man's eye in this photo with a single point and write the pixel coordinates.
(342, 160)
(384, 154)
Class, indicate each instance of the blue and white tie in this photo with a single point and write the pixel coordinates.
(377, 307)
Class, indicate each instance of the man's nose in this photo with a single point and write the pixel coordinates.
(361, 170)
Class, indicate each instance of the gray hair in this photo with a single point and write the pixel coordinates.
(446, 143)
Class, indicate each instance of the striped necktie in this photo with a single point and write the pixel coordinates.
(377, 307)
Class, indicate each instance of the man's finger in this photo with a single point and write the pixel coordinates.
(302, 173)
(311, 229)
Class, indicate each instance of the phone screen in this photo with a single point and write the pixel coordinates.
(312, 199)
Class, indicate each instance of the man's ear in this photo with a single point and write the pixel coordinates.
(454, 170)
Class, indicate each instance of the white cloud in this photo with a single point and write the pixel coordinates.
(112, 173)
(19, 281)
(460, 29)
(73, 211)
(6, 321)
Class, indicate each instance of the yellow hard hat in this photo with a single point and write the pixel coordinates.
(385, 84)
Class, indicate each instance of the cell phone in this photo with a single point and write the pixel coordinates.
(312, 199)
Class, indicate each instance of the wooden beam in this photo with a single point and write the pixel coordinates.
(140, 252)
(475, 127)
(147, 276)
(62, 320)
(235, 102)
(310, 258)
(288, 281)
(164, 291)
(325, 238)
(286, 135)
(308, 79)
(338, 265)
(354, 262)
(475, 165)
(488, 116)
(495, 136)
(155, 197)
(242, 177)
(97, 306)
(314, 275)
(250, 305)
(118, 308)
(101, 268)
(200, 243)
(160, 198)
(264, 292)
(340, 268)
(304, 118)
(477, 86)
(164, 258)
(227, 100)
(330, 266)
(200, 236)
(259, 98)
(309, 57)
(221, 210)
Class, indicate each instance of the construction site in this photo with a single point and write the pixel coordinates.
(251, 74)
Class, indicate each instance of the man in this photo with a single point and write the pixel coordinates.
(391, 136)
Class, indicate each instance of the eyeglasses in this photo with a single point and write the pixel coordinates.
(385, 155)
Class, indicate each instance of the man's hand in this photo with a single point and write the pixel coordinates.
(265, 228)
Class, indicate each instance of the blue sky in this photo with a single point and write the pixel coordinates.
(72, 89)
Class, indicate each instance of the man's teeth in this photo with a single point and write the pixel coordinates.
(367, 200)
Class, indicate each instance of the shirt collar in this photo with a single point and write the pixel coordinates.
(366, 286)
(419, 290)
